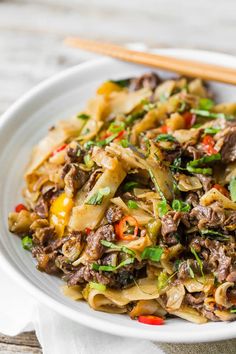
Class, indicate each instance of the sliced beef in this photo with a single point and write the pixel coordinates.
(93, 179)
(86, 274)
(74, 179)
(172, 226)
(193, 152)
(74, 153)
(230, 222)
(42, 232)
(206, 181)
(218, 261)
(114, 214)
(46, 261)
(41, 208)
(186, 267)
(192, 199)
(149, 80)
(94, 249)
(212, 216)
(195, 299)
(228, 149)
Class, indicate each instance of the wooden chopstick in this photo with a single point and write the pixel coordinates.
(181, 66)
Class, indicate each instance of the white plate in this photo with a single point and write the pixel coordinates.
(20, 128)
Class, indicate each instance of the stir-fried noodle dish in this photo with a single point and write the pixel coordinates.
(132, 202)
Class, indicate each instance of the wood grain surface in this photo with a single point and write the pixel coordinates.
(32, 49)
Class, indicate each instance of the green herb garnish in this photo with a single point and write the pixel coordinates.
(205, 104)
(203, 171)
(129, 186)
(207, 114)
(212, 131)
(132, 204)
(232, 189)
(214, 234)
(27, 243)
(165, 137)
(198, 260)
(83, 116)
(178, 205)
(162, 208)
(152, 253)
(118, 248)
(116, 127)
(97, 286)
(233, 311)
(122, 82)
(109, 268)
(97, 198)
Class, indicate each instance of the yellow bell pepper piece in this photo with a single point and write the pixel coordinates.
(60, 213)
(108, 87)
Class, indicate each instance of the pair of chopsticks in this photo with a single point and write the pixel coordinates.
(189, 68)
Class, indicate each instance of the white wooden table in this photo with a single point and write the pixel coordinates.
(31, 49)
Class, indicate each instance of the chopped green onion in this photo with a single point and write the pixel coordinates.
(207, 114)
(97, 286)
(198, 260)
(108, 140)
(152, 253)
(178, 205)
(162, 280)
(27, 243)
(118, 248)
(88, 144)
(97, 198)
(131, 118)
(214, 234)
(163, 97)
(124, 143)
(233, 311)
(88, 161)
(165, 137)
(232, 189)
(162, 208)
(212, 131)
(203, 171)
(132, 204)
(83, 116)
(158, 189)
(205, 160)
(116, 127)
(107, 268)
(122, 82)
(191, 272)
(182, 107)
(128, 186)
(205, 104)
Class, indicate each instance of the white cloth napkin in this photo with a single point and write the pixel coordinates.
(58, 335)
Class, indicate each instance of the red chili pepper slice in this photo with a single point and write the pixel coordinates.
(190, 119)
(87, 230)
(151, 320)
(120, 136)
(60, 148)
(20, 207)
(123, 226)
(164, 129)
(208, 144)
(221, 189)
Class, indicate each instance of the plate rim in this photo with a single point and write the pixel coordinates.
(87, 319)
